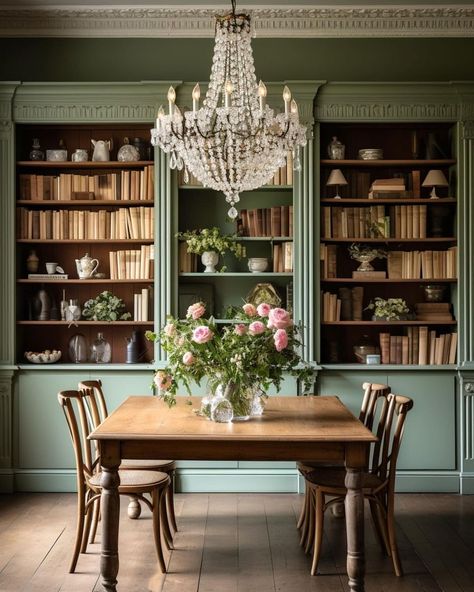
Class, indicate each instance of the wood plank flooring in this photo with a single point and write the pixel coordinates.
(235, 543)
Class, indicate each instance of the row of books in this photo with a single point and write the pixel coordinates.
(124, 223)
(419, 346)
(187, 262)
(372, 222)
(125, 185)
(282, 177)
(328, 258)
(274, 221)
(132, 264)
(283, 257)
(352, 222)
(422, 264)
(143, 305)
(330, 307)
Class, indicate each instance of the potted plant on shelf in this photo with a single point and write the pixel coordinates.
(105, 307)
(210, 243)
(364, 254)
(392, 309)
(240, 361)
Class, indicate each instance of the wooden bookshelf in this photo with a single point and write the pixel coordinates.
(63, 229)
(413, 229)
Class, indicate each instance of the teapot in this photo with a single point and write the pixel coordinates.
(86, 267)
(102, 150)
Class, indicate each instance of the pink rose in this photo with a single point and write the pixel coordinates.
(196, 310)
(281, 339)
(240, 329)
(202, 334)
(169, 330)
(249, 309)
(263, 309)
(256, 328)
(162, 380)
(279, 318)
(188, 359)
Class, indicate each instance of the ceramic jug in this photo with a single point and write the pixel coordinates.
(86, 267)
(101, 150)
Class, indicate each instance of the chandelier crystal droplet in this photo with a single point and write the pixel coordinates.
(234, 142)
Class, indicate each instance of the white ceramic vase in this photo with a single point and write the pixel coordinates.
(210, 259)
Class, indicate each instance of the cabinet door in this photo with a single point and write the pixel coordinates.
(429, 441)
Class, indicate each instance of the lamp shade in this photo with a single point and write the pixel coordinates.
(435, 178)
(336, 178)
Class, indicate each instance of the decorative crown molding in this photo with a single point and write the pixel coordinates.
(296, 21)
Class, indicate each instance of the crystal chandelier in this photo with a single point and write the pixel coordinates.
(234, 142)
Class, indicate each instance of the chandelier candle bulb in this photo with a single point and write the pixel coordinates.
(294, 107)
(159, 117)
(287, 99)
(171, 99)
(262, 94)
(229, 88)
(196, 97)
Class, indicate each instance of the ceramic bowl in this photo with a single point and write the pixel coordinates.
(371, 154)
(45, 357)
(258, 264)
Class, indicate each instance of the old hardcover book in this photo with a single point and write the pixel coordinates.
(357, 302)
(365, 275)
(276, 220)
(385, 347)
(405, 346)
(393, 349)
(345, 297)
(287, 257)
(453, 348)
(416, 184)
(423, 346)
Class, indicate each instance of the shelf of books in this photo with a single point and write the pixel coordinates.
(265, 230)
(388, 244)
(85, 232)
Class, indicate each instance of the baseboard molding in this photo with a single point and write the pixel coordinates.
(7, 479)
(466, 484)
(226, 480)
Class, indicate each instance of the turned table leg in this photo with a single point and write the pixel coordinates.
(354, 506)
(110, 510)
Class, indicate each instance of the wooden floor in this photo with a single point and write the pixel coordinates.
(235, 543)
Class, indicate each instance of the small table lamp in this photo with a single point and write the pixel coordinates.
(336, 178)
(435, 178)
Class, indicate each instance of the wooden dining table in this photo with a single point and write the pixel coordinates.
(306, 428)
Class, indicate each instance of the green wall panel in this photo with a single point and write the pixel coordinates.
(190, 59)
(430, 436)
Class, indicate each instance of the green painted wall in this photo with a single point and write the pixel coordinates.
(276, 59)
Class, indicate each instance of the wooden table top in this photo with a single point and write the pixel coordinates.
(286, 419)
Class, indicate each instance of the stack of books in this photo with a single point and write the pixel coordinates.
(433, 311)
(283, 257)
(132, 264)
(328, 257)
(274, 221)
(388, 188)
(422, 264)
(143, 305)
(330, 307)
(419, 346)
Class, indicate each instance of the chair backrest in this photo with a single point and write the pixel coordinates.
(389, 433)
(73, 405)
(372, 393)
(95, 400)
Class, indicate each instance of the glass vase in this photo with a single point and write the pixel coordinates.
(240, 399)
(77, 348)
(101, 350)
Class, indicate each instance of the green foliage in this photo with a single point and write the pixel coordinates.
(105, 307)
(211, 239)
(390, 309)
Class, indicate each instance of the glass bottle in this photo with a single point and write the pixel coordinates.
(77, 348)
(336, 149)
(36, 152)
(101, 350)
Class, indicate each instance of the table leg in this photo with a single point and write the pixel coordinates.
(110, 510)
(355, 530)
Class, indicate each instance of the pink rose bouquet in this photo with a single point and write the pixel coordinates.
(257, 348)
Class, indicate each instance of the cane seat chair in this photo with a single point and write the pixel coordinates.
(372, 392)
(99, 412)
(378, 480)
(88, 474)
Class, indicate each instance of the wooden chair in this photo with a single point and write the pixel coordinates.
(99, 412)
(378, 481)
(372, 392)
(135, 483)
